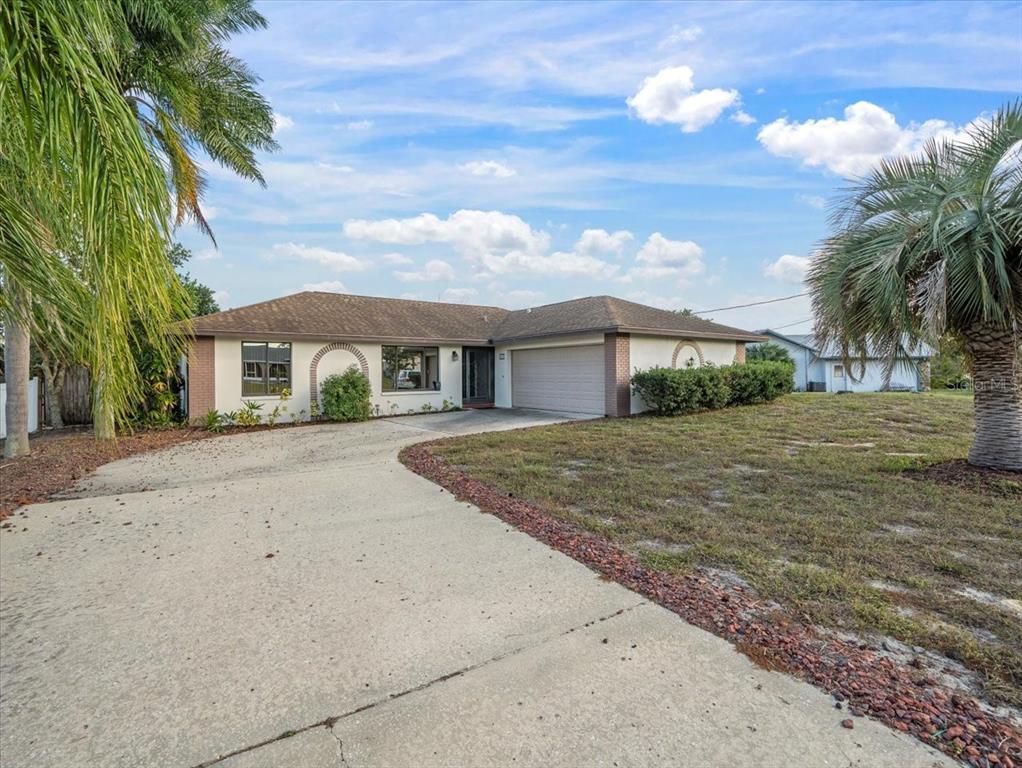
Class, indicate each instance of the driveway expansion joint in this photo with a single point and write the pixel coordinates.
(330, 722)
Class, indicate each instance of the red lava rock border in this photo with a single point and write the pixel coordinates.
(854, 674)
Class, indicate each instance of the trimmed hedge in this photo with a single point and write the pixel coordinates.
(671, 391)
(346, 397)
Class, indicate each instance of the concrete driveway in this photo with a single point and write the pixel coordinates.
(146, 624)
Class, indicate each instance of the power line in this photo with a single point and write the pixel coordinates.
(753, 304)
(788, 325)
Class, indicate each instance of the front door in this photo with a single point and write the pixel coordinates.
(477, 376)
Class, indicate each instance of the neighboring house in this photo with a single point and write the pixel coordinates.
(823, 369)
(575, 356)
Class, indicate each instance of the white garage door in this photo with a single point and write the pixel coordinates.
(558, 379)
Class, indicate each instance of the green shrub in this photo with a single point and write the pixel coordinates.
(768, 351)
(346, 397)
(249, 416)
(672, 391)
(758, 382)
(214, 421)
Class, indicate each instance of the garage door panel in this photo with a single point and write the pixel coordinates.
(558, 379)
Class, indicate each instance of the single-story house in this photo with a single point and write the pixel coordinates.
(574, 356)
(820, 368)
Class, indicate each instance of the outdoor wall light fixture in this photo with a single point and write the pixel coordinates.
(454, 356)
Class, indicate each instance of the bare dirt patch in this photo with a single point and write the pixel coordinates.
(961, 474)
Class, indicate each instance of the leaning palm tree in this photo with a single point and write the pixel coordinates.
(932, 244)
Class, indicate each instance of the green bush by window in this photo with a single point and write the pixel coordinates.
(672, 391)
(345, 397)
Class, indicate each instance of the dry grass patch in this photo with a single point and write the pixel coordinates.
(810, 500)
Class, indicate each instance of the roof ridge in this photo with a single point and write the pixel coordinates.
(610, 305)
(394, 298)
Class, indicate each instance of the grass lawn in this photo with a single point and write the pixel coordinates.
(806, 499)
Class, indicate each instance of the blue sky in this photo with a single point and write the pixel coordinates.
(517, 153)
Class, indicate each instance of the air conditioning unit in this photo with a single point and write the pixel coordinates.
(817, 386)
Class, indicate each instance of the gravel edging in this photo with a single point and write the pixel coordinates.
(857, 677)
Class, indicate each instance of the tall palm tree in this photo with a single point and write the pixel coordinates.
(929, 244)
(105, 104)
(75, 171)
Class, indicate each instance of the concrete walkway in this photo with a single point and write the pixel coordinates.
(146, 624)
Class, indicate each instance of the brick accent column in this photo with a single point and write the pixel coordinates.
(201, 378)
(740, 353)
(617, 387)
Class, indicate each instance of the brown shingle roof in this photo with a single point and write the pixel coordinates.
(607, 313)
(316, 315)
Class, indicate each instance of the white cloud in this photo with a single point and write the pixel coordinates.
(207, 254)
(495, 243)
(597, 241)
(663, 259)
(459, 295)
(853, 145)
(678, 34)
(813, 201)
(336, 168)
(488, 168)
(471, 232)
(281, 122)
(682, 254)
(335, 260)
(395, 258)
(669, 97)
(327, 286)
(742, 117)
(557, 264)
(223, 299)
(360, 125)
(788, 268)
(434, 270)
(209, 212)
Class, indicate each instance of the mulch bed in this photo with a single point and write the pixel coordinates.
(61, 458)
(860, 680)
(963, 475)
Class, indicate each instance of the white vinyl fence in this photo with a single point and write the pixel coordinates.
(33, 407)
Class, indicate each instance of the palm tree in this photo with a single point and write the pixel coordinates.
(104, 104)
(932, 244)
(75, 171)
(188, 93)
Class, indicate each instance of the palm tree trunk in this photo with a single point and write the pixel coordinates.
(102, 412)
(53, 378)
(16, 370)
(993, 354)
